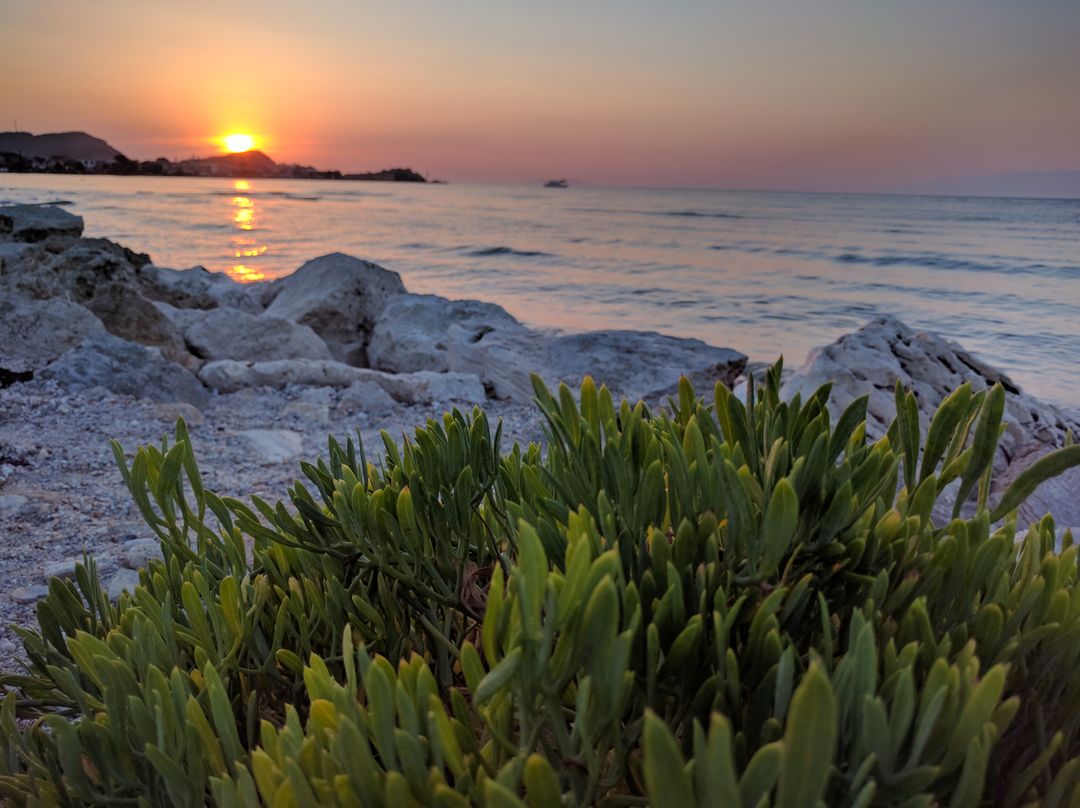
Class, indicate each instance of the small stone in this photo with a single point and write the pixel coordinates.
(7, 648)
(61, 569)
(13, 505)
(120, 581)
(309, 413)
(29, 594)
(138, 553)
(273, 446)
(171, 410)
(366, 396)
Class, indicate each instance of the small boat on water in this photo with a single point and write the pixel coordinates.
(556, 184)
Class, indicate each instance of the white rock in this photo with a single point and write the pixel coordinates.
(198, 288)
(426, 332)
(171, 410)
(339, 297)
(640, 364)
(33, 333)
(29, 594)
(34, 223)
(426, 386)
(311, 408)
(366, 396)
(13, 505)
(230, 375)
(61, 569)
(272, 446)
(130, 316)
(125, 368)
(123, 580)
(137, 553)
(233, 334)
(870, 360)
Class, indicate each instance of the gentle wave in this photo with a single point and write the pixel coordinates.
(697, 214)
(936, 261)
(486, 252)
(759, 272)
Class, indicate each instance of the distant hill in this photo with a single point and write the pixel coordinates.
(74, 145)
(252, 163)
(79, 153)
(1042, 184)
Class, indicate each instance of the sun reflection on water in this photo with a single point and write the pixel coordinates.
(244, 246)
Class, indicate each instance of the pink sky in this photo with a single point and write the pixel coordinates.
(831, 94)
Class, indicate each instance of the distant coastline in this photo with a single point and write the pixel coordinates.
(80, 153)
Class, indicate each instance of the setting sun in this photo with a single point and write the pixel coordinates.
(238, 142)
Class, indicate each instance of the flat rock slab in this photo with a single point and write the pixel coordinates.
(29, 594)
(61, 569)
(33, 223)
(34, 333)
(272, 446)
(126, 368)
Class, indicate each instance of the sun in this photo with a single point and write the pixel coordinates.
(238, 142)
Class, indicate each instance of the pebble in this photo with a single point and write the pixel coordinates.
(29, 594)
(13, 505)
(272, 446)
(61, 569)
(137, 553)
(120, 581)
(171, 410)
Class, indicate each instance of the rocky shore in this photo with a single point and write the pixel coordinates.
(96, 343)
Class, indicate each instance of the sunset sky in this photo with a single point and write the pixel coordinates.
(831, 94)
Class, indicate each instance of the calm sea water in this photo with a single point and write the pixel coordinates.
(764, 273)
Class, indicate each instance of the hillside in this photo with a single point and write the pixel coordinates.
(74, 145)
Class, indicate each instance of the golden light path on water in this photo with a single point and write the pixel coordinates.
(244, 246)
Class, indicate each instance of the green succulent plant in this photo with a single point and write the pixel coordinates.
(719, 603)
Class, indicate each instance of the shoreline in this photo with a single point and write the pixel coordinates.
(110, 347)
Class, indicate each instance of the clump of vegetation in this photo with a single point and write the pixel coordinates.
(727, 604)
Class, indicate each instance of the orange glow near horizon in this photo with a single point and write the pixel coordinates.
(238, 142)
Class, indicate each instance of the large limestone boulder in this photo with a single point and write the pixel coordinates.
(38, 223)
(130, 316)
(231, 334)
(427, 386)
(340, 298)
(641, 364)
(426, 332)
(78, 272)
(870, 360)
(33, 333)
(198, 288)
(125, 368)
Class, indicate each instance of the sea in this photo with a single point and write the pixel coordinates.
(762, 272)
